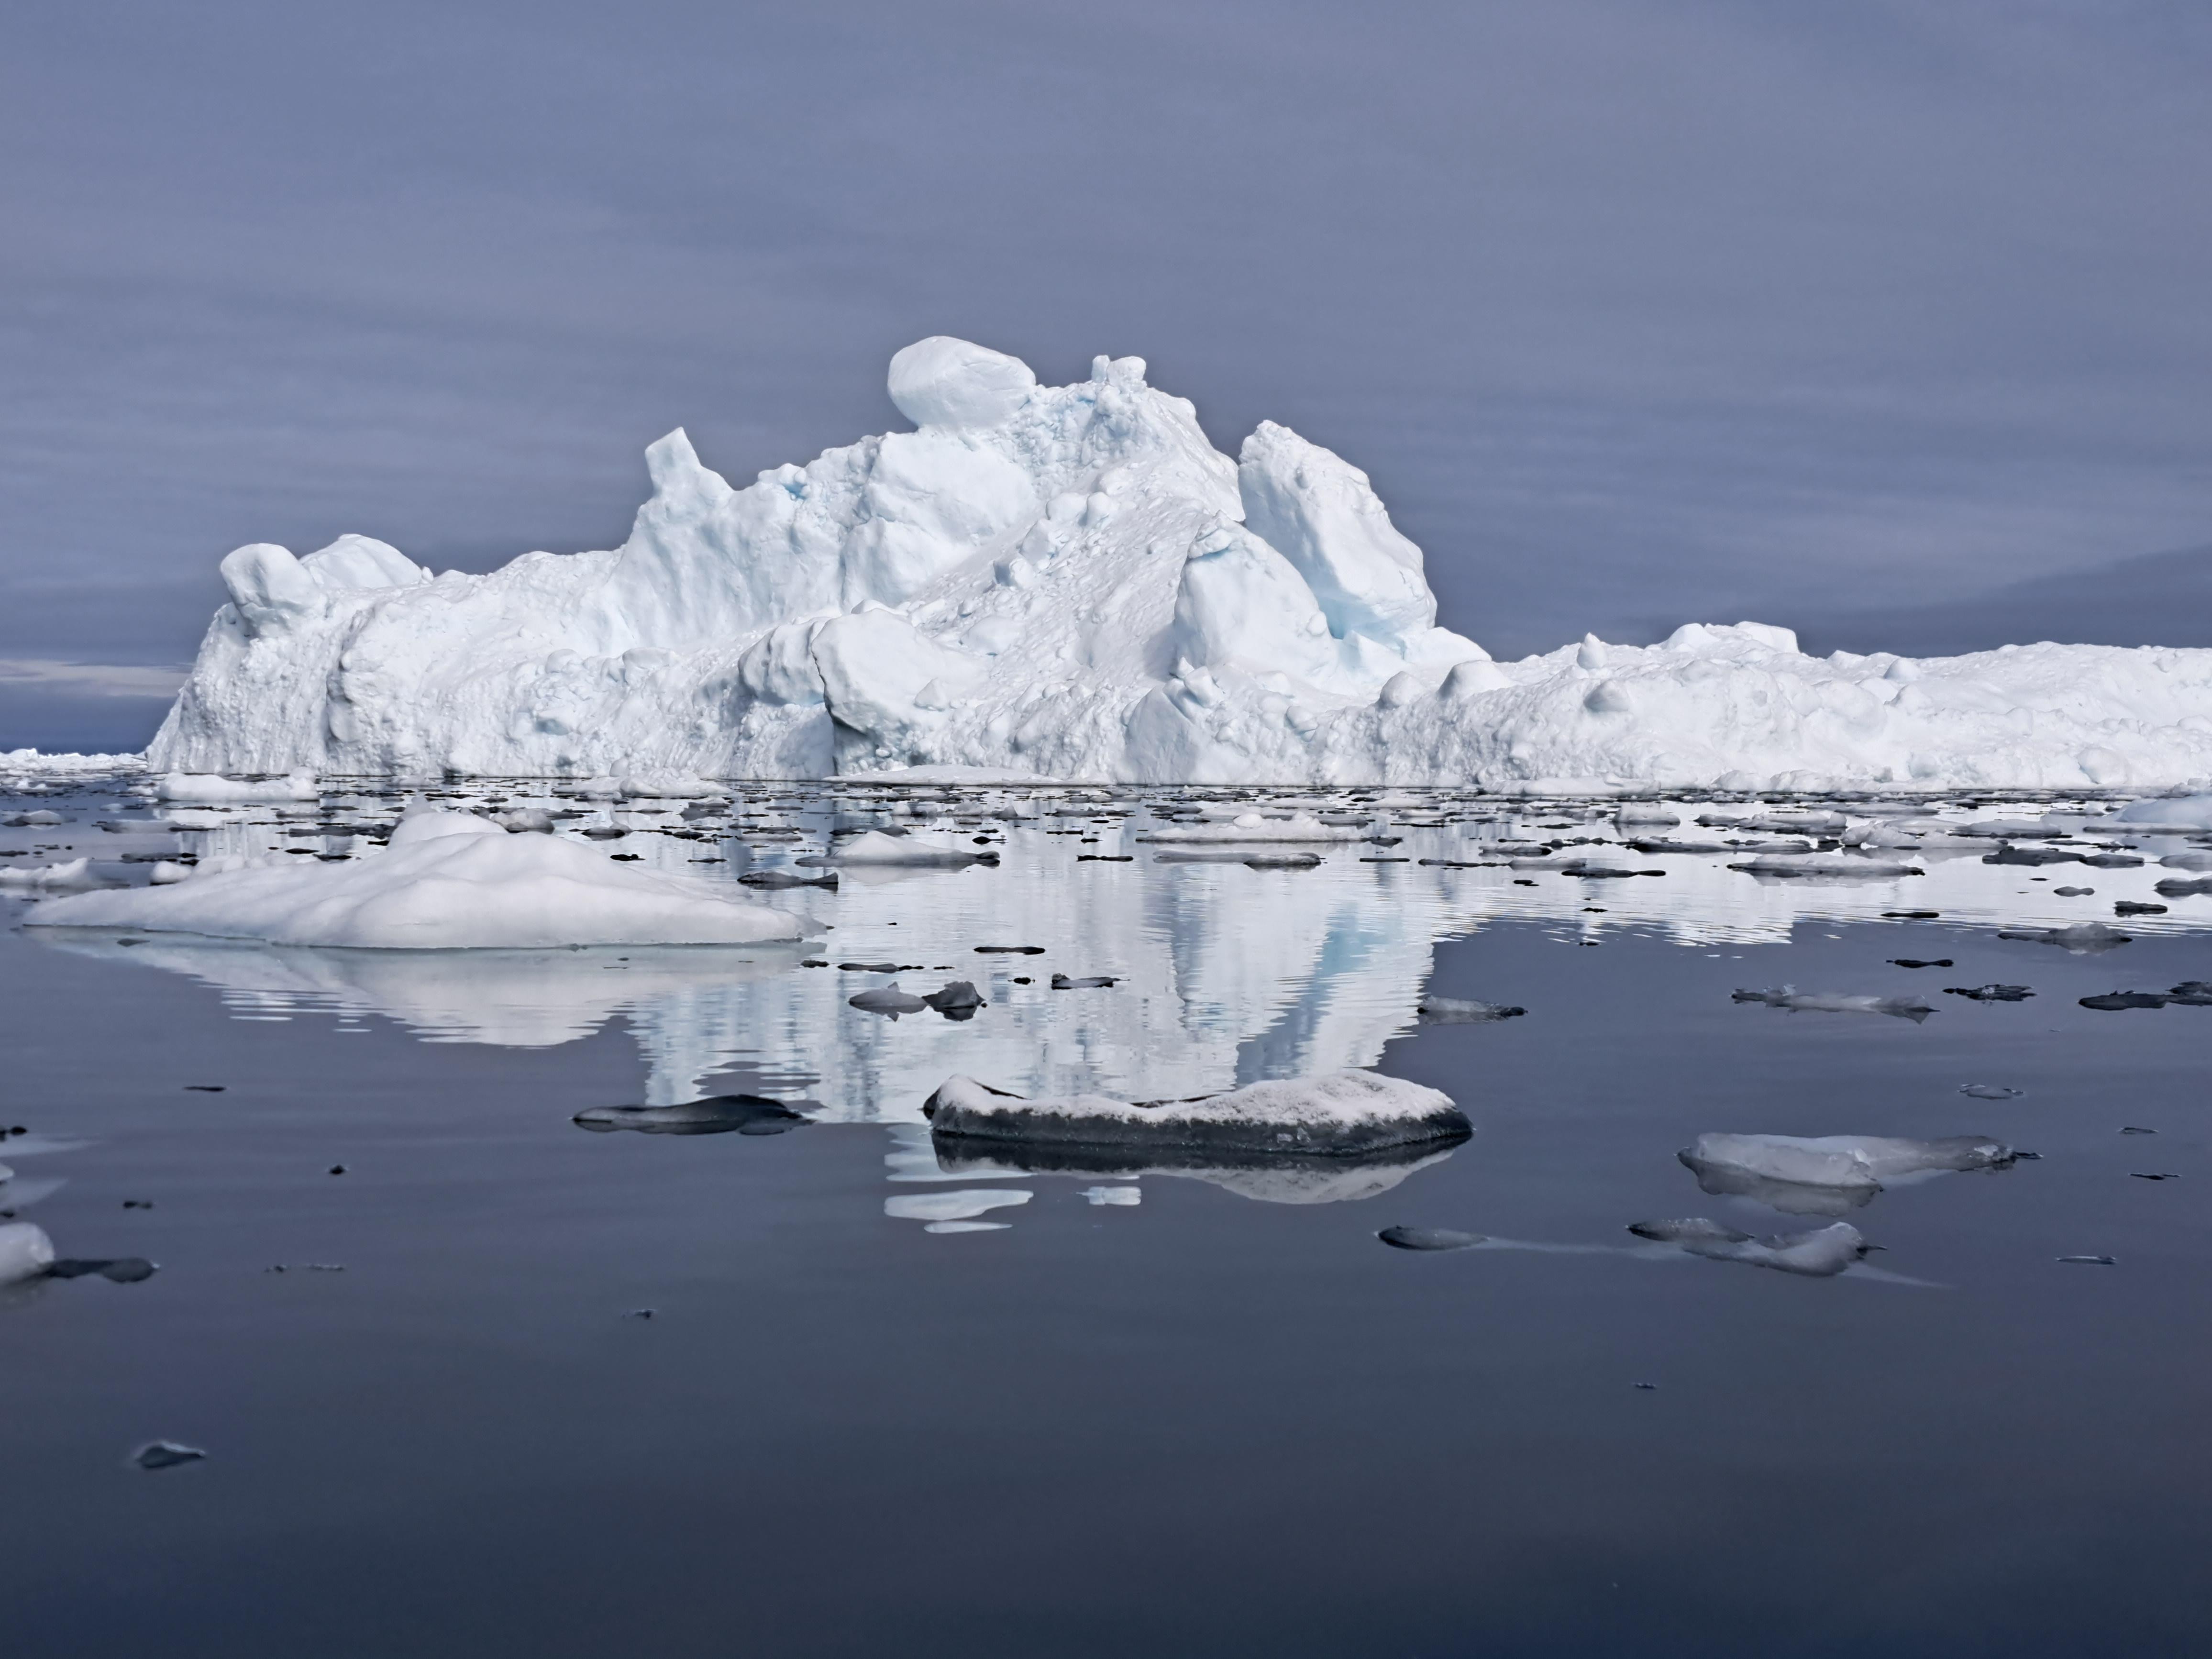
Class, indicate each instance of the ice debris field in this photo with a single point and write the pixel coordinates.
(1071, 583)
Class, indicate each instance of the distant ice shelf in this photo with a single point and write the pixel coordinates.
(1070, 582)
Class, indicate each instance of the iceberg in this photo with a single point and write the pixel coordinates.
(448, 881)
(1346, 1113)
(1071, 582)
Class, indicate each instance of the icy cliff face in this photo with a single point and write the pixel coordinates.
(1069, 580)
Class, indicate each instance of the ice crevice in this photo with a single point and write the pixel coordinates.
(1072, 582)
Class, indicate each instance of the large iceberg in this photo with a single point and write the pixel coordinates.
(1071, 581)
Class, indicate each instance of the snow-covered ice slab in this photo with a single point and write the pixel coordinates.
(448, 881)
(70, 872)
(1857, 1163)
(211, 789)
(917, 851)
(1345, 1114)
(1071, 582)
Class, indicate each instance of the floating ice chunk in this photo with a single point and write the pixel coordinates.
(26, 1252)
(922, 850)
(2117, 1001)
(1688, 1229)
(1087, 982)
(1990, 993)
(1456, 1011)
(2080, 939)
(2201, 860)
(2181, 812)
(888, 1000)
(165, 1454)
(1113, 1196)
(212, 788)
(1846, 866)
(746, 1114)
(1427, 1238)
(1989, 1091)
(961, 1204)
(448, 881)
(1837, 1002)
(75, 872)
(668, 785)
(967, 1227)
(958, 999)
(1342, 1113)
(526, 820)
(1723, 1163)
(38, 820)
(1820, 1254)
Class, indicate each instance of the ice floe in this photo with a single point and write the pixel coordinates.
(745, 1115)
(448, 881)
(1827, 1174)
(1346, 1113)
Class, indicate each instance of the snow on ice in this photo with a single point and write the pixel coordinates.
(449, 881)
(1072, 582)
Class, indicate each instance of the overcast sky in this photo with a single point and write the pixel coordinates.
(1635, 313)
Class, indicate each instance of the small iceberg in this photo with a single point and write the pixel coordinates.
(1456, 1010)
(74, 873)
(1831, 867)
(719, 1115)
(2082, 938)
(448, 881)
(208, 789)
(1837, 1002)
(1821, 1254)
(1343, 1114)
(1828, 1175)
(923, 851)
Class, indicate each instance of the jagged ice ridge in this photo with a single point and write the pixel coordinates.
(1071, 581)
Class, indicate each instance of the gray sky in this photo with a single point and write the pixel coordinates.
(1636, 312)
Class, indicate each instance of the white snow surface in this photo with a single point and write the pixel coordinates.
(448, 881)
(30, 763)
(1337, 1101)
(211, 789)
(24, 1252)
(1071, 581)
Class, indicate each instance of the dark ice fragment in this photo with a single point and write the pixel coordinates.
(746, 1114)
(1989, 992)
(2115, 1001)
(165, 1454)
(1427, 1238)
(116, 1270)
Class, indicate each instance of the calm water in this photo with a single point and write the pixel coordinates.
(1212, 1422)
